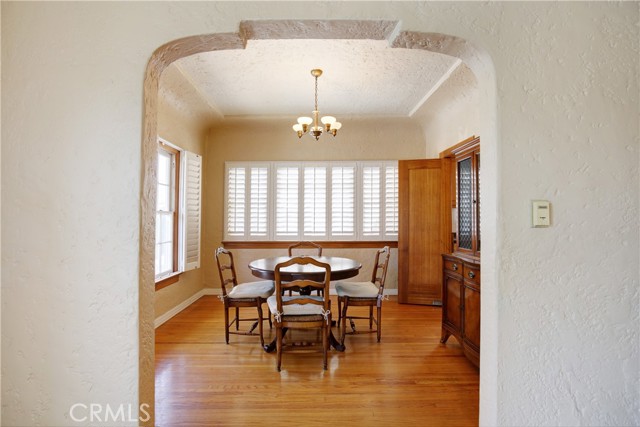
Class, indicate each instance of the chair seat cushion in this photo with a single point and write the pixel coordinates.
(296, 309)
(357, 289)
(262, 289)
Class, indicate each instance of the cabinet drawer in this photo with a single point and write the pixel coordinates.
(471, 274)
(452, 265)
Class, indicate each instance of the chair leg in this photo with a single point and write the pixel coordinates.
(226, 324)
(278, 347)
(325, 343)
(339, 311)
(237, 318)
(344, 321)
(379, 320)
(260, 324)
(371, 317)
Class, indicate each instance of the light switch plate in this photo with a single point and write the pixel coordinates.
(541, 210)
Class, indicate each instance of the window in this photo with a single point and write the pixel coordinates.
(311, 201)
(177, 211)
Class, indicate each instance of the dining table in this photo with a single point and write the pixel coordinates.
(341, 268)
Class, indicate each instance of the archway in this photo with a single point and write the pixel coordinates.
(474, 58)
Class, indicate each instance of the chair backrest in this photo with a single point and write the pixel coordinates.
(281, 285)
(226, 269)
(305, 245)
(379, 274)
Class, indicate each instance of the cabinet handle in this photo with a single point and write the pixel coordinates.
(455, 267)
(472, 274)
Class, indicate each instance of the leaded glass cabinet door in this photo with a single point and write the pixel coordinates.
(467, 167)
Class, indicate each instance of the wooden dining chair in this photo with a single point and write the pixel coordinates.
(304, 312)
(304, 248)
(238, 295)
(364, 294)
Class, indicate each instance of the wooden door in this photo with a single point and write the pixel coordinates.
(424, 229)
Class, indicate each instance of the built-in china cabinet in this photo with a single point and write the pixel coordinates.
(461, 268)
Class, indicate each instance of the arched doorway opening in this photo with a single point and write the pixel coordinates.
(474, 58)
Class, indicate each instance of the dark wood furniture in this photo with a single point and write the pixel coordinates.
(364, 294)
(303, 248)
(461, 269)
(424, 228)
(461, 303)
(301, 311)
(466, 196)
(341, 268)
(304, 245)
(251, 294)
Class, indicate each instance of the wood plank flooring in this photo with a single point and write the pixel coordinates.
(408, 379)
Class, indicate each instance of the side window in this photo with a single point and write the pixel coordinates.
(178, 211)
(167, 211)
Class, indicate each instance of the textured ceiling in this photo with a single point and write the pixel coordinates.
(361, 78)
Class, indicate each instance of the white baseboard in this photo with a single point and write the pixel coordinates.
(184, 304)
(214, 291)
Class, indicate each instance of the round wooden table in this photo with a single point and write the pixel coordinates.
(341, 268)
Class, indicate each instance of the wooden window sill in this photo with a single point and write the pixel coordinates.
(336, 244)
(163, 283)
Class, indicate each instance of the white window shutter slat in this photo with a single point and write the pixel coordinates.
(391, 201)
(193, 210)
(315, 201)
(343, 196)
(287, 202)
(258, 202)
(371, 201)
(236, 188)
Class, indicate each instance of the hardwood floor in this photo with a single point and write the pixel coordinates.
(408, 379)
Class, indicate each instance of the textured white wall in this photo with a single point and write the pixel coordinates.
(560, 309)
(569, 294)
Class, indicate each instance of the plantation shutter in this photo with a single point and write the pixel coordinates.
(287, 202)
(315, 201)
(236, 188)
(193, 209)
(258, 201)
(391, 201)
(371, 201)
(343, 198)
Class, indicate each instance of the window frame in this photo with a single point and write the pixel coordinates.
(175, 192)
(186, 193)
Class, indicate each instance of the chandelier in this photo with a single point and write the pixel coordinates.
(329, 123)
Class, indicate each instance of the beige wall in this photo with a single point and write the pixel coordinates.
(185, 131)
(273, 139)
(451, 114)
